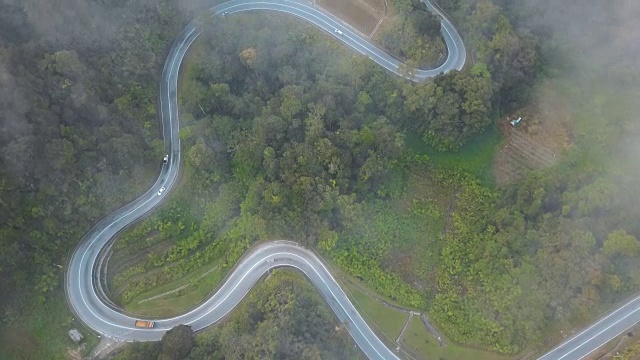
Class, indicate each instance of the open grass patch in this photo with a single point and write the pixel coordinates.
(475, 157)
(401, 237)
(196, 290)
(379, 316)
(41, 333)
(419, 342)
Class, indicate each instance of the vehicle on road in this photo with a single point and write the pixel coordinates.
(81, 283)
(166, 159)
(144, 324)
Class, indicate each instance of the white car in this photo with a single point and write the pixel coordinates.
(161, 191)
(338, 32)
(225, 13)
(165, 159)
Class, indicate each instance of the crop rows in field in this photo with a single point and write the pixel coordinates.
(520, 155)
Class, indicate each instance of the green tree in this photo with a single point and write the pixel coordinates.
(176, 343)
(620, 243)
(200, 155)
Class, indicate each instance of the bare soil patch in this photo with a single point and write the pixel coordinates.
(538, 141)
(363, 15)
(74, 354)
(107, 348)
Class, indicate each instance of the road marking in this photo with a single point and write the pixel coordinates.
(596, 335)
(591, 327)
(168, 174)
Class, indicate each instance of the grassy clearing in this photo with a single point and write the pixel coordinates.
(403, 234)
(42, 333)
(387, 320)
(476, 157)
(412, 226)
(419, 342)
(178, 302)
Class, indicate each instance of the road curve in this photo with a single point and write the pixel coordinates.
(87, 299)
(91, 306)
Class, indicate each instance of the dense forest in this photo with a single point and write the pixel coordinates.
(292, 136)
(78, 138)
(414, 36)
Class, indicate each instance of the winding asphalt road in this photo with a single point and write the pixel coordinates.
(88, 300)
(84, 290)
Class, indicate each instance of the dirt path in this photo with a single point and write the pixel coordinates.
(179, 288)
(432, 329)
(450, 205)
(404, 329)
(106, 348)
(122, 260)
(423, 316)
(373, 33)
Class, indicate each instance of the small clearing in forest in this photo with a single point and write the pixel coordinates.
(538, 141)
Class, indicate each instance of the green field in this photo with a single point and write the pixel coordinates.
(42, 332)
(178, 302)
(385, 320)
(419, 341)
(475, 157)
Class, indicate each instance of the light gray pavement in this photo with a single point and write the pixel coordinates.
(597, 334)
(88, 301)
(84, 292)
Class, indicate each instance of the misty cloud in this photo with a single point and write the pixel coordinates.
(600, 33)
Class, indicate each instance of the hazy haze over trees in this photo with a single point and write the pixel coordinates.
(294, 136)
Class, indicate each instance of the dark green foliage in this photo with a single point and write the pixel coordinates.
(285, 135)
(140, 351)
(297, 142)
(79, 127)
(316, 149)
(79, 138)
(176, 343)
(514, 264)
(415, 35)
(510, 57)
(283, 318)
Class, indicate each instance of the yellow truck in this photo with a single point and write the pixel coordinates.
(144, 324)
